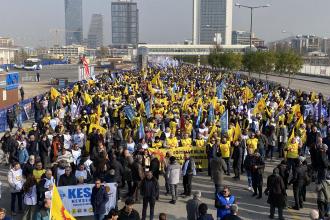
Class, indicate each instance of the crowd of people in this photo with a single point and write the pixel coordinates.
(105, 130)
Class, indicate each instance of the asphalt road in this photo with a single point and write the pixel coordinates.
(249, 207)
(304, 83)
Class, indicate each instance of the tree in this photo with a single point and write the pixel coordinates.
(231, 61)
(268, 60)
(214, 58)
(250, 62)
(288, 62)
(20, 56)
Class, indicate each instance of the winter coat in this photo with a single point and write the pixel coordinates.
(99, 199)
(173, 173)
(276, 191)
(192, 208)
(32, 148)
(323, 191)
(262, 141)
(23, 155)
(257, 169)
(221, 202)
(137, 172)
(123, 215)
(150, 188)
(299, 176)
(67, 180)
(237, 156)
(206, 217)
(154, 167)
(283, 134)
(15, 180)
(218, 168)
(42, 214)
(119, 170)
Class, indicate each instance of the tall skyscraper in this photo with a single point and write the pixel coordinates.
(73, 22)
(95, 33)
(210, 19)
(125, 22)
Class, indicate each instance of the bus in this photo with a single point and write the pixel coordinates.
(32, 64)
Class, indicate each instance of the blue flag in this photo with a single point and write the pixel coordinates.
(147, 107)
(210, 116)
(141, 130)
(129, 112)
(224, 122)
(199, 117)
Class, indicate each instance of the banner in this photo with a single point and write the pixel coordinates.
(224, 122)
(197, 153)
(129, 112)
(77, 199)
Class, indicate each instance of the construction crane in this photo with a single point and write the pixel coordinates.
(57, 31)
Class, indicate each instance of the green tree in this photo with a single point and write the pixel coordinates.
(289, 63)
(231, 61)
(267, 60)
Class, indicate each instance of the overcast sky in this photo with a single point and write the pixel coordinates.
(30, 22)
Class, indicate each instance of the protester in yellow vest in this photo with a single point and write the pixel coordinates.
(252, 142)
(293, 149)
(186, 141)
(199, 142)
(172, 141)
(225, 152)
(157, 144)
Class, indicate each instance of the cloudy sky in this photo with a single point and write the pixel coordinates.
(30, 22)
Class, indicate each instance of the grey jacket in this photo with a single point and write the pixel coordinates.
(192, 208)
(283, 134)
(173, 173)
(218, 168)
(322, 190)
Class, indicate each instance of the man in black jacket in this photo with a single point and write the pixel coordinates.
(99, 199)
(237, 158)
(154, 166)
(128, 213)
(150, 193)
(257, 168)
(298, 181)
(67, 179)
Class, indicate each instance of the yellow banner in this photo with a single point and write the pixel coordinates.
(198, 154)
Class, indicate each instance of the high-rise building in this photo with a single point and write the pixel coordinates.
(211, 19)
(95, 33)
(243, 38)
(73, 22)
(125, 22)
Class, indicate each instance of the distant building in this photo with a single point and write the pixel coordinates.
(71, 51)
(306, 43)
(243, 38)
(212, 19)
(73, 22)
(95, 34)
(7, 50)
(125, 23)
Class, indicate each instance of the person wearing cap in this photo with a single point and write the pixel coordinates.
(298, 181)
(276, 194)
(192, 206)
(223, 201)
(172, 176)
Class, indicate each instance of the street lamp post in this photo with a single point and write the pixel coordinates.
(251, 21)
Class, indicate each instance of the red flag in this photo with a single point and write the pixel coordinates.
(85, 63)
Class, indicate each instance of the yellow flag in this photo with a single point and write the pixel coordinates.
(291, 136)
(213, 129)
(300, 122)
(75, 89)
(57, 210)
(151, 89)
(155, 79)
(296, 110)
(98, 127)
(313, 96)
(260, 107)
(237, 132)
(281, 104)
(54, 93)
(87, 98)
(247, 94)
(126, 90)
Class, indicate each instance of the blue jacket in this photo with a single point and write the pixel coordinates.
(23, 155)
(221, 203)
(99, 199)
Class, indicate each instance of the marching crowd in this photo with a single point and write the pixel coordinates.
(107, 130)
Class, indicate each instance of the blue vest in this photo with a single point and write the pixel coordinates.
(223, 201)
